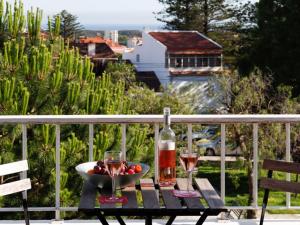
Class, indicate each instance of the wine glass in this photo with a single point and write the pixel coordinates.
(113, 164)
(188, 160)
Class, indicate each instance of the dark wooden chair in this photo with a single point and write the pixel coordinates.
(269, 183)
(16, 186)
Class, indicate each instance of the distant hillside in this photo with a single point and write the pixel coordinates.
(128, 33)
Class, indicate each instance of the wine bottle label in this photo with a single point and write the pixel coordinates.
(166, 145)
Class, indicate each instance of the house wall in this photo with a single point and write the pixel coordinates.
(152, 55)
(91, 49)
(151, 52)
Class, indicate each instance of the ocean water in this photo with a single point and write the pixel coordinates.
(122, 26)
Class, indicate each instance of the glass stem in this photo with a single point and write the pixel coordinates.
(189, 179)
(113, 185)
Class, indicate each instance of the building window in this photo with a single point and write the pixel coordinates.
(204, 62)
(172, 62)
(138, 58)
(199, 62)
(178, 62)
(185, 62)
(218, 61)
(192, 62)
(212, 61)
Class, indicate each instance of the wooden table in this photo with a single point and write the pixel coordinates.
(156, 202)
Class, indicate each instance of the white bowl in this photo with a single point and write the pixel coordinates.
(104, 181)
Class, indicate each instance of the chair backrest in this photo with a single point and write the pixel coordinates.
(280, 185)
(15, 186)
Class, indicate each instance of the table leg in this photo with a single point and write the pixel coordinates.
(202, 218)
(102, 219)
(120, 220)
(148, 220)
(171, 220)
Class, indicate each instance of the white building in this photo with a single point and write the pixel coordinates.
(112, 34)
(176, 56)
(134, 41)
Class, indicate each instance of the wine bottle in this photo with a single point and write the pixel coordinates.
(167, 152)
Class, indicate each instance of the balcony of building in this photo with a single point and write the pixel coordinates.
(194, 63)
(124, 121)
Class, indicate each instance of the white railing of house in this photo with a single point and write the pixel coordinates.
(123, 120)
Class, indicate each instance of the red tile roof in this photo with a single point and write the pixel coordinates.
(102, 50)
(88, 40)
(116, 47)
(187, 42)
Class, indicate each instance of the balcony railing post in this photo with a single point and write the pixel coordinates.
(288, 158)
(223, 151)
(156, 152)
(123, 145)
(57, 173)
(91, 142)
(190, 139)
(255, 163)
(24, 153)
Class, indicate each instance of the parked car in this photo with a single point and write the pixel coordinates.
(213, 147)
(206, 133)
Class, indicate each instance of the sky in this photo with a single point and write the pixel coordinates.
(91, 12)
(107, 14)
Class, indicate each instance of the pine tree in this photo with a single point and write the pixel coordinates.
(41, 76)
(201, 15)
(70, 28)
(277, 47)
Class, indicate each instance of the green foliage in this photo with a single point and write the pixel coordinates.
(201, 15)
(255, 94)
(43, 75)
(123, 39)
(239, 196)
(13, 54)
(145, 101)
(121, 72)
(34, 21)
(12, 21)
(55, 30)
(180, 14)
(278, 33)
(70, 28)
(13, 97)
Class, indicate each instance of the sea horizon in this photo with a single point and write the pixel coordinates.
(122, 26)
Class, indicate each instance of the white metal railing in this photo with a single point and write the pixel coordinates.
(90, 120)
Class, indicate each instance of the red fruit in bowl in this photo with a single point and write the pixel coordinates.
(132, 167)
(138, 169)
(131, 171)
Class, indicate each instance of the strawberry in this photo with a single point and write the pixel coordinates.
(131, 171)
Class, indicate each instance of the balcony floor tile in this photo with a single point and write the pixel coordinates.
(180, 221)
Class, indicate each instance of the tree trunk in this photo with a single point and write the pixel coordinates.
(205, 22)
(251, 214)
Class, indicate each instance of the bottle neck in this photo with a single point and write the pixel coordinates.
(167, 122)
